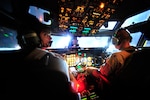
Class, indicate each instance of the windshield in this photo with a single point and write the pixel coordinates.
(8, 39)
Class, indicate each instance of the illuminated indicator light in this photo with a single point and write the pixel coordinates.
(80, 86)
(94, 13)
(84, 54)
(72, 31)
(79, 54)
(78, 66)
(6, 35)
(73, 27)
(92, 96)
(87, 28)
(102, 5)
(84, 98)
(85, 32)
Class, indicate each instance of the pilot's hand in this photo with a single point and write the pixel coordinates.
(89, 70)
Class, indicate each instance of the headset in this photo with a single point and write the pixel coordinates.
(28, 39)
(121, 35)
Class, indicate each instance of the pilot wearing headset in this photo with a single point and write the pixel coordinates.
(114, 63)
(47, 72)
(121, 40)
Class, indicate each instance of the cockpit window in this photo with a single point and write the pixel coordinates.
(8, 39)
(137, 18)
(147, 43)
(135, 38)
(40, 14)
(93, 42)
(109, 26)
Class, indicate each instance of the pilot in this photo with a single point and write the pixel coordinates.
(114, 63)
(44, 74)
(46, 41)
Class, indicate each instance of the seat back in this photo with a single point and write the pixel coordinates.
(134, 81)
(22, 80)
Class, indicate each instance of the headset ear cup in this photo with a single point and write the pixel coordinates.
(115, 41)
(21, 40)
(29, 39)
(119, 41)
